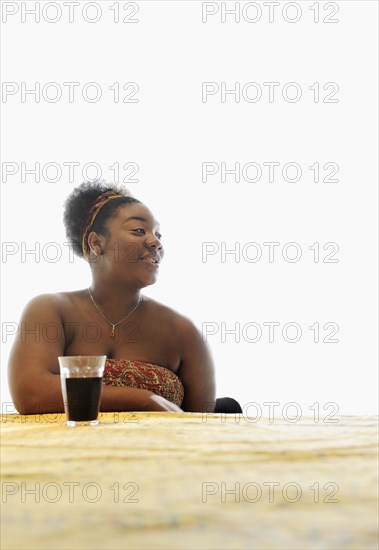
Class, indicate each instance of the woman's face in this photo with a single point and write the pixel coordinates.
(132, 250)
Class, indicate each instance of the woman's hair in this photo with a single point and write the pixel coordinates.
(78, 205)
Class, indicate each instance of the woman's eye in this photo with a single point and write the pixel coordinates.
(141, 231)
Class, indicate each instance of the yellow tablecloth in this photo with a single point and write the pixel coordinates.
(183, 481)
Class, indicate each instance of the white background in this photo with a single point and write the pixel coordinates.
(169, 133)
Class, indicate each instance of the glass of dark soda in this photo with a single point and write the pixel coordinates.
(81, 380)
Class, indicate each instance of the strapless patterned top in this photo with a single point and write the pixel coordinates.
(145, 376)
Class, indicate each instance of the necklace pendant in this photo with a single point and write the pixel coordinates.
(107, 320)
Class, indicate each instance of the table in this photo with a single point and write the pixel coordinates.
(189, 481)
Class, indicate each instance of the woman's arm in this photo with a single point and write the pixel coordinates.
(33, 370)
(196, 370)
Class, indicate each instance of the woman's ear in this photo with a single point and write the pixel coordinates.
(95, 242)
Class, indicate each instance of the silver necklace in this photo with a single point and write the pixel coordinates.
(114, 325)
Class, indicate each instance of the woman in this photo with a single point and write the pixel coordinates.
(157, 360)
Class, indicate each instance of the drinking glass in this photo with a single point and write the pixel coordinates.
(81, 381)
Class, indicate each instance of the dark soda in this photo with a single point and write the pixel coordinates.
(83, 398)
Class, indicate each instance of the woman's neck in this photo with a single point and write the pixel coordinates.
(114, 300)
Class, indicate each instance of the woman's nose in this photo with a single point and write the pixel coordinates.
(154, 242)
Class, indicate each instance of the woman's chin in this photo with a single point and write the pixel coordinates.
(148, 281)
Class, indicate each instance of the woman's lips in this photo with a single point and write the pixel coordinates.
(150, 261)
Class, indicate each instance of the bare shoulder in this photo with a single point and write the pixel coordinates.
(52, 303)
(181, 324)
(42, 301)
(196, 369)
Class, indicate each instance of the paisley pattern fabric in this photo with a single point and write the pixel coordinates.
(145, 376)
